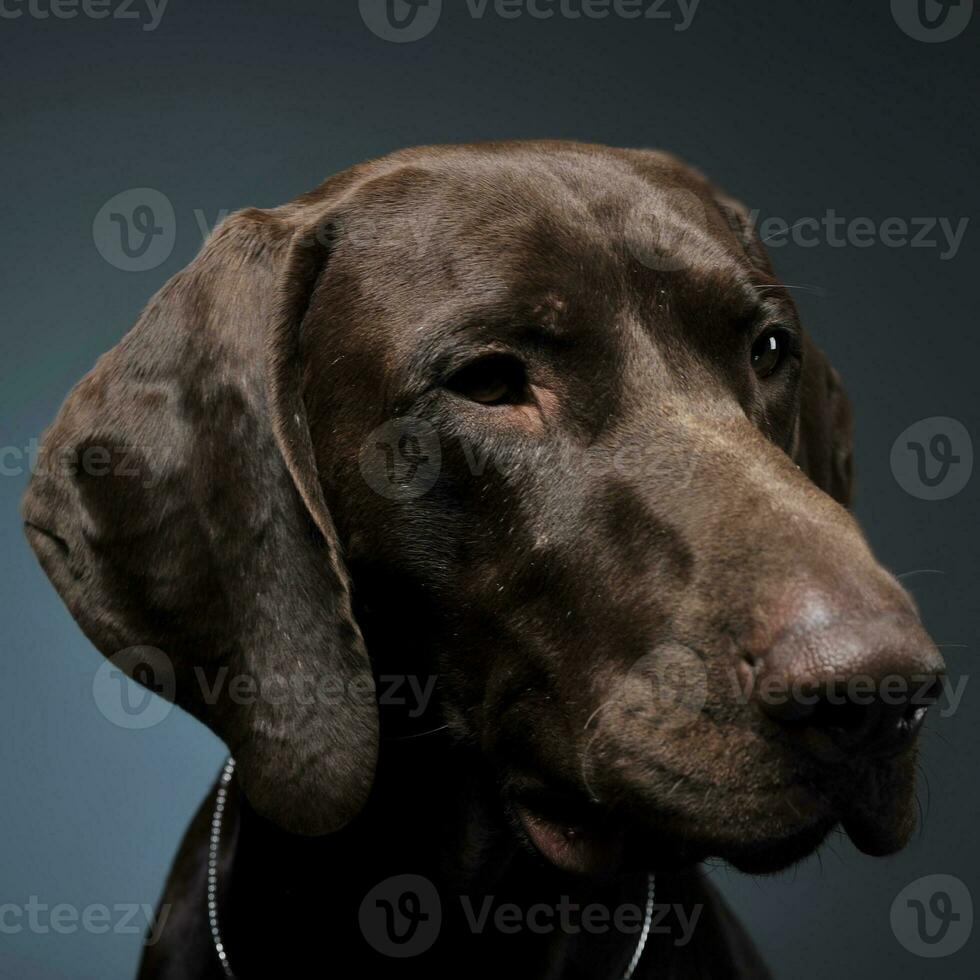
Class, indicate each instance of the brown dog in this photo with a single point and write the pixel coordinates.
(534, 420)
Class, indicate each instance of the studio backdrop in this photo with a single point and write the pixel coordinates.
(848, 129)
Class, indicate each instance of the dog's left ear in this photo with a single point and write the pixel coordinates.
(823, 442)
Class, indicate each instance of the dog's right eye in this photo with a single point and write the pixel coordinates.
(769, 351)
(495, 379)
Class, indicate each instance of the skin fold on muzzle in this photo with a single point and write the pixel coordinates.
(536, 420)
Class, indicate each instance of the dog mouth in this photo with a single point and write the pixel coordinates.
(881, 818)
(602, 847)
(573, 844)
(875, 808)
(878, 817)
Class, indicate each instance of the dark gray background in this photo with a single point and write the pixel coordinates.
(795, 107)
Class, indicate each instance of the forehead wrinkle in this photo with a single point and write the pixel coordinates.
(719, 289)
(508, 230)
(503, 322)
(541, 199)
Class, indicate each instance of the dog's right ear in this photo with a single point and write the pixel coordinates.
(823, 440)
(176, 505)
(824, 443)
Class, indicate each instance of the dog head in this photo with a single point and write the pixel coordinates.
(548, 409)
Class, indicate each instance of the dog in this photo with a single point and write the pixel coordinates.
(532, 430)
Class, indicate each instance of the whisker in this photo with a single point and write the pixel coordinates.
(803, 287)
(602, 707)
(792, 227)
(593, 796)
(833, 850)
(402, 738)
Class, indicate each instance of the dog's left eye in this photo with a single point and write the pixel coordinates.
(768, 352)
(496, 379)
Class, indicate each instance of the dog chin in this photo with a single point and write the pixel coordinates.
(595, 851)
(875, 834)
(599, 849)
(769, 857)
(875, 807)
(881, 818)
(878, 824)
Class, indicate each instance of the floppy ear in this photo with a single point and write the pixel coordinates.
(823, 443)
(176, 505)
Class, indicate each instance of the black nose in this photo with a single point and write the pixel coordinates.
(850, 687)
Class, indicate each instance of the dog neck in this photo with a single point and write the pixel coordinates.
(430, 818)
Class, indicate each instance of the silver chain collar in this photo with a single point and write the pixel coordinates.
(213, 857)
(214, 846)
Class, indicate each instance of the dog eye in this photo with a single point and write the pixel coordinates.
(768, 352)
(497, 379)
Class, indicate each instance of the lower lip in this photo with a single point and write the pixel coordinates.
(577, 850)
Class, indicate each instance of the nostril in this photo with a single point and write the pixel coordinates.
(895, 731)
(847, 720)
(914, 718)
(840, 718)
(845, 684)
